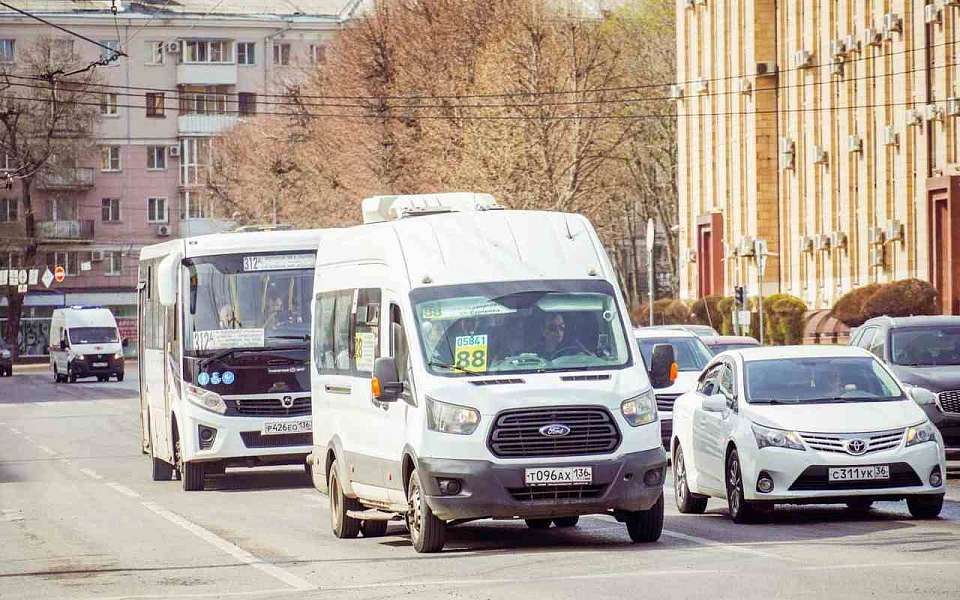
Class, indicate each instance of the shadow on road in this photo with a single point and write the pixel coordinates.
(245, 480)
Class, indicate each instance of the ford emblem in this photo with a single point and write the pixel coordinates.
(554, 430)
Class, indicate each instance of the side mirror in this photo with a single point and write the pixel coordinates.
(385, 384)
(63, 344)
(125, 343)
(717, 403)
(167, 280)
(663, 366)
(922, 396)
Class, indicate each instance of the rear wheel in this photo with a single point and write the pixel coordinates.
(538, 523)
(372, 529)
(101, 378)
(344, 526)
(427, 532)
(925, 507)
(645, 526)
(566, 521)
(72, 377)
(119, 376)
(56, 375)
(687, 502)
(741, 509)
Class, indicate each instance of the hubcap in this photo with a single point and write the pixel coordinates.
(680, 476)
(334, 501)
(733, 490)
(414, 511)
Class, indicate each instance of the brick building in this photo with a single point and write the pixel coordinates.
(826, 128)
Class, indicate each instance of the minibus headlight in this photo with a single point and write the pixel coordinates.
(918, 434)
(118, 355)
(206, 399)
(451, 418)
(777, 438)
(640, 410)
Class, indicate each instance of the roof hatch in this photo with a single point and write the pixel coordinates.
(378, 209)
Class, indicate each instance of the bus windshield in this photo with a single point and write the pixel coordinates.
(247, 301)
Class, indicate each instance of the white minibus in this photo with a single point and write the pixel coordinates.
(85, 342)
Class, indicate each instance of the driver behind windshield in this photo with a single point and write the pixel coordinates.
(551, 338)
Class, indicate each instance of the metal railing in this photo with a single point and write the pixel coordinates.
(66, 179)
(65, 230)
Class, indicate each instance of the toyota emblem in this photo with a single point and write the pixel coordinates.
(856, 447)
(287, 401)
(554, 430)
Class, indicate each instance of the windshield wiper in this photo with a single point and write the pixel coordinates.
(229, 351)
(303, 338)
(442, 365)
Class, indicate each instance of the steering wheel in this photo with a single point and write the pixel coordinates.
(577, 348)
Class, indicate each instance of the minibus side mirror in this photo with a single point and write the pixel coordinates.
(125, 343)
(167, 279)
(385, 384)
(663, 366)
(63, 343)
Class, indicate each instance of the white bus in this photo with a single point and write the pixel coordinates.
(224, 325)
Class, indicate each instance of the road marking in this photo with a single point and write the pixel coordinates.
(123, 489)
(43, 448)
(9, 515)
(178, 596)
(15, 431)
(232, 549)
(896, 565)
(721, 546)
(91, 473)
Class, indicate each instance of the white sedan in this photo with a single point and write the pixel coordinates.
(803, 425)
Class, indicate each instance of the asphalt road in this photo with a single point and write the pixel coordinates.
(80, 518)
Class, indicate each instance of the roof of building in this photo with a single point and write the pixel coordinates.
(240, 8)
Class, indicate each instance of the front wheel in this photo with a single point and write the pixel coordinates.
(741, 509)
(687, 502)
(538, 523)
(191, 473)
(344, 526)
(645, 526)
(859, 504)
(427, 532)
(119, 376)
(925, 507)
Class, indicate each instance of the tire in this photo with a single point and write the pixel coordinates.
(427, 532)
(56, 375)
(72, 378)
(344, 526)
(538, 523)
(741, 510)
(645, 526)
(162, 470)
(119, 376)
(373, 529)
(859, 504)
(564, 522)
(191, 473)
(101, 378)
(925, 507)
(687, 502)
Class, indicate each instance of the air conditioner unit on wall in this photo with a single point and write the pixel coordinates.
(174, 151)
(676, 92)
(890, 136)
(766, 69)
(838, 239)
(821, 243)
(872, 37)
(802, 59)
(854, 143)
(933, 112)
(692, 255)
(836, 69)
(806, 244)
(877, 257)
(701, 86)
(96, 256)
(746, 86)
(746, 247)
(914, 117)
(875, 236)
(838, 48)
(953, 106)
(932, 14)
(851, 43)
(892, 23)
(173, 47)
(820, 155)
(894, 232)
(163, 230)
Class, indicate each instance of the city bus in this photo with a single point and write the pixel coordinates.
(224, 324)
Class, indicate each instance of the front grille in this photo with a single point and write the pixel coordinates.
(603, 377)
(253, 439)
(816, 478)
(516, 433)
(98, 357)
(836, 442)
(665, 401)
(556, 492)
(272, 407)
(950, 401)
(508, 381)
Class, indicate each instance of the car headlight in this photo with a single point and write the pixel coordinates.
(451, 418)
(777, 438)
(640, 410)
(74, 355)
(5, 354)
(918, 434)
(206, 399)
(118, 355)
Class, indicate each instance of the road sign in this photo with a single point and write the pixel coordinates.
(23, 277)
(34, 276)
(85, 265)
(47, 277)
(742, 317)
(22, 288)
(3, 277)
(650, 234)
(59, 274)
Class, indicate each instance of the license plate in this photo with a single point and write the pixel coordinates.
(101, 364)
(867, 473)
(559, 476)
(282, 427)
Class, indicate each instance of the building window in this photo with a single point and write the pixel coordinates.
(155, 104)
(70, 261)
(247, 103)
(281, 54)
(192, 205)
(110, 158)
(110, 210)
(109, 105)
(318, 54)
(246, 53)
(156, 158)
(156, 210)
(194, 161)
(208, 51)
(111, 54)
(208, 100)
(63, 209)
(8, 210)
(10, 260)
(7, 51)
(114, 260)
(154, 53)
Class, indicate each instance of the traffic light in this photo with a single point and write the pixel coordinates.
(738, 296)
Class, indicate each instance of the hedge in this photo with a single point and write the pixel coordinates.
(783, 319)
(705, 311)
(665, 312)
(849, 308)
(902, 299)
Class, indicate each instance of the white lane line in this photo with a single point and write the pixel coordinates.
(178, 596)
(46, 450)
(232, 549)
(123, 489)
(91, 473)
(895, 565)
(10, 515)
(722, 546)
(15, 431)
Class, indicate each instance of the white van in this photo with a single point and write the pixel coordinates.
(85, 342)
(472, 363)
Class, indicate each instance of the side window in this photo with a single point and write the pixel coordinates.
(726, 384)
(877, 345)
(333, 343)
(866, 337)
(323, 336)
(366, 327)
(342, 324)
(399, 349)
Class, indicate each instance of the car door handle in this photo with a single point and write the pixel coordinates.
(343, 390)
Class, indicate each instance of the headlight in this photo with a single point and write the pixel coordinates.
(918, 434)
(640, 410)
(451, 418)
(777, 438)
(5, 354)
(71, 355)
(206, 399)
(118, 355)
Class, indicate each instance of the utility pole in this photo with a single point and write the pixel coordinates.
(649, 240)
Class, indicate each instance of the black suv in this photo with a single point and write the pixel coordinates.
(924, 352)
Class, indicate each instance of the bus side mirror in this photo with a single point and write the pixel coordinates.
(63, 344)
(167, 279)
(663, 366)
(385, 384)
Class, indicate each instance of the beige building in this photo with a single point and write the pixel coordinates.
(827, 129)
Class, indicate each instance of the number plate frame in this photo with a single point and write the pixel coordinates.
(858, 473)
(286, 427)
(100, 365)
(542, 476)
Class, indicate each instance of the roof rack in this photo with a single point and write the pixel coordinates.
(378, 209)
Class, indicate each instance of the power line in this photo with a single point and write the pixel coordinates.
(63, 29)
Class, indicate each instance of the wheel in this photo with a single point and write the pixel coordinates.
(119, 376)
(645, 526)
(427, 532)
(56, 375)
(566, 522)
(72, 377)
(925, 507)
(344, 526)
(101, 378)
(372, 529)
(741, 510)
(687, 502)
(162, 470)
(860, 504)
(191, 473)
(215, 468)
(538, 523)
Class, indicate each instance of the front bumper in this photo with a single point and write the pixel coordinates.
(498, 490)
(239, 438)
(801, 476)
(86, 368)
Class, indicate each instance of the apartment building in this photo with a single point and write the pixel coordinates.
(193, 69)
(828, 129)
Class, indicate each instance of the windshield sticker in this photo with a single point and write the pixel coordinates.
(215, 378)
(227, 378)
(203, 379)
(219, 339)
(459, 308)
(278, 262)
(365, 351)
(471, 352)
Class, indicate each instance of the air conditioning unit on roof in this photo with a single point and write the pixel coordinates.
(379, 209)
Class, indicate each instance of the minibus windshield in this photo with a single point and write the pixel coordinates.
(93, 335)
(247, 301)
(520, 327)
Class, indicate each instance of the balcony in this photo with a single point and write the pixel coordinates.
(205, 124)
(68, 179)
(207, 74)
(66, 231)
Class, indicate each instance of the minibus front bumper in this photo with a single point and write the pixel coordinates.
(629, 482)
